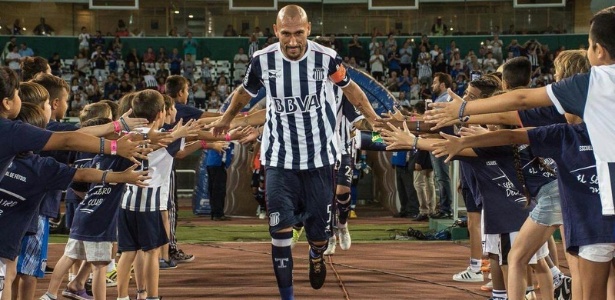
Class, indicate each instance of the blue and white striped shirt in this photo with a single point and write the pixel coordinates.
(300, 125)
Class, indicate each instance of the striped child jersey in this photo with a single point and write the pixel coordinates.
(156, 196)
(347, 115)
(299, 132)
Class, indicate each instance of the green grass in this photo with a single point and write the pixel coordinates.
(200, 233)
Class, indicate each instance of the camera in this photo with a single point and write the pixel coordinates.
(475, 75)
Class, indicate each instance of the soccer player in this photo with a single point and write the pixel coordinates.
(299, 147)
(585, 95)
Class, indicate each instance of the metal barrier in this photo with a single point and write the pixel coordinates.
(187, 191)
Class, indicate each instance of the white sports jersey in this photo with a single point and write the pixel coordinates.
(347, 115)
(300, 125)
(156, 196)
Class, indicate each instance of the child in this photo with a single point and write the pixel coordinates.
(30, 177)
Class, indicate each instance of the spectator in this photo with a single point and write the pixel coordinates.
(131, 70)
(457, 59)
(188, 66)
(355, 49)
(149, 58)
(450, 50)
(25, 51)
(405, 55)
(162, 56)
(110, 90)
(353, 63)
(336, 44)
(230, 31)
(175, 62)
(490, 64)
(223, 89)
(509, 57)
(515, 48)
(42, 28)
(214, 100)
(393, 60)
(376, 63)
(404, 82)
(473, 64)
(511, 30)
(78, 102)
(462, 83)
(534, 50)
(239, 64)
(405, 184)
(93, 90)
(99, 60)
(84, 41)
(98, 40)
(8, 47)
(220, 76)
(434, 52)
(121, 29)
(253, 46)
(13, 58)
(439, 65)
(257, 32)
(133, 57)
(161, 85)
(496, 48)
(423, 177)
(415, 88)
(439, 28)
(457, 69)
(199, 90)
(190, 46)
(113, 56)
(173, 32)
(392, 82)
(424, 65)
(82, 64)
(16, 27)
(389, 44)
(425, 42)
(162, 72)
(125, 88)
(425, 92)
(206, 68)
(373, 45)
(55, 64)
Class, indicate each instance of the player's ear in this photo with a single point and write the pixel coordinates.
(309, 28)
(55, 103)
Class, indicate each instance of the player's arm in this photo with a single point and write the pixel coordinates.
(452, 145)
(198, 145)
(240, 99)
(356, 96)
(254, 119)
(99, 176)
(126, 123)
(502, 118)
(521, 99)
(398, 139)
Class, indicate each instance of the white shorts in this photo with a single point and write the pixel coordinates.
(89, 251)
(493, 245)
(598, 252)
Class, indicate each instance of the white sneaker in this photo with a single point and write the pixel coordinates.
(468, 276)
(331, 247)
(530, 295)
(344, 235)
(296, 236)
(262, 215)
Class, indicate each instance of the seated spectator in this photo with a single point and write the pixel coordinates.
(240, 62)
(355, 49)
(390, 45)
(78, 102)
(199, 90)
(42, 28)
(424, 65)
(230, 31)
(121, 29)
(214, 100)
(110, 90)
(163, 72)
(125, 88)
(162, 56)
(462, 84)
(55, 63)
(440, 66)
(435, 51)
(133, 57)
(173, 32)
(223, 89)
(190, 45)
(257, 32)
(25, 51)
(93, 90)
(84, 41)
(149, 58)
(415, 88)
(161, 85)
(473, 64)
(353, 63)
(113, 56)
(425, 92)
(206, 68)
(149, 81)
(405, 54)
(490, 64)
(82, 64)
(457, 70)
(12, 59)
(75, 83)
(253, 46)
(404, 82)
(457, 59)
(509, 57)
(402, 100)
(131, 70)
(220, 76)
(514, 47)
(98, 40)
(373, 45)
(391, 83)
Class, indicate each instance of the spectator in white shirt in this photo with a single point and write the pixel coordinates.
(376, 63)
(84, 41)
(13, 58)
(239, 64)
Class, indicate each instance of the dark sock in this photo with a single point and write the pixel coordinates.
(343, 207)
(260, 197)
(282, 258)
(317, 251)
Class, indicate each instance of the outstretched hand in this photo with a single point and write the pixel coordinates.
(472, 130)
(132, 150)
(396, 138)
(443, 113)
(449, 147)
(220, 126)
(137, 178)
(191, 128)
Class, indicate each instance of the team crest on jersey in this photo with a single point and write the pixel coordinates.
(274, 74)
(319, 74)
(274, 219)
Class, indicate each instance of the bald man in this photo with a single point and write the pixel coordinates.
(299, 148)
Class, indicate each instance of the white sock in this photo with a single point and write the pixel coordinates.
(475, 265)
(71, 277)
(529, 288)
(499, 294)
(557, 276)
(51, 296)
(340, 225)
(111, 266)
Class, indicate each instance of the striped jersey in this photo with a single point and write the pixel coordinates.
(299, 131)
(155, 196)
(347, 115)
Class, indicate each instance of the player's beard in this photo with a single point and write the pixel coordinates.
(293, 52)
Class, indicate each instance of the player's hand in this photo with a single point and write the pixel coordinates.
(251, 136)
(220, 126)
(444, 112)
(396, 138)
(133, 122)
(137, 178)
(472, 130)
(394, 115)
(239, 133)
(132, 150)
(449, 147)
